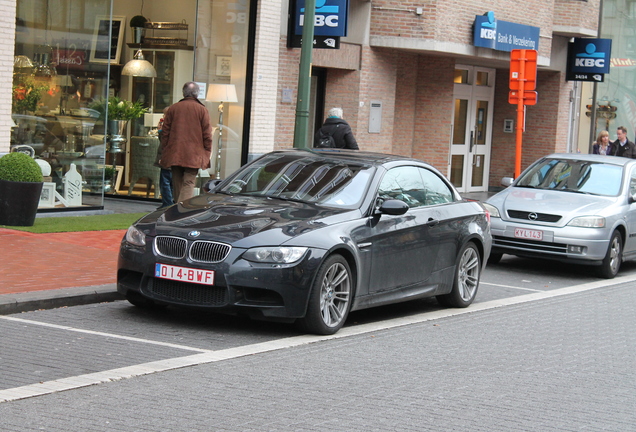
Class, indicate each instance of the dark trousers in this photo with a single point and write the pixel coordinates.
(165, 187)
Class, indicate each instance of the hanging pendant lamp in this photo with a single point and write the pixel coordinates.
(139, 67)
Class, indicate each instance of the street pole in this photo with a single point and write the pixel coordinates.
(593, 132)
(304, 77)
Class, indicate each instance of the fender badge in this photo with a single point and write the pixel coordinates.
(194, 233)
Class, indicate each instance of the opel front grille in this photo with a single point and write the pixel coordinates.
(533, 217)
(529, 245)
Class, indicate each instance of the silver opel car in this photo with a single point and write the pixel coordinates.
(568, 207)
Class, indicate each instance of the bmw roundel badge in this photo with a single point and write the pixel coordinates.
(194, 233)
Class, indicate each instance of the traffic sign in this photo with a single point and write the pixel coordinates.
(529, 73)
(529, 97)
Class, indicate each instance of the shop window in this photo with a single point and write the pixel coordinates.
(56, 76)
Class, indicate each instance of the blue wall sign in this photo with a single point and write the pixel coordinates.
(502, 35)
(331, 17)
(587, 55)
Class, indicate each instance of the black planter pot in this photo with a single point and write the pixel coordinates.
(19, 202)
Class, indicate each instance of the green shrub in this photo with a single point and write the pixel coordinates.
(19, 167)
(138, 21)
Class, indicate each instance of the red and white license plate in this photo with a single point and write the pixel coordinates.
(528, 234)
(184, 274)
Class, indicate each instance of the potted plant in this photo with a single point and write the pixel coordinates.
(20, 189)
(137, 23)
(109, 176)
(119, 113)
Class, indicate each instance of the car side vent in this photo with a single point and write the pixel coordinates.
(534, 217)
(171, 247)
(209, 252)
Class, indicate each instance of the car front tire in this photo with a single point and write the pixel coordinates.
(330, 298)
(466, 282)
(613, 258)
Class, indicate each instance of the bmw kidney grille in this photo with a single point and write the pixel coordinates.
(200, 250)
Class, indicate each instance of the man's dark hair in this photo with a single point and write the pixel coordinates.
(191, 89)
(622, 128)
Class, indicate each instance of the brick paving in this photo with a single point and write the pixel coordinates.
(36, 262)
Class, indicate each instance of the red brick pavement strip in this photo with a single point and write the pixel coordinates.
(36, 262)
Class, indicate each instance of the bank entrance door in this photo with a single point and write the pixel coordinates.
(471, 129)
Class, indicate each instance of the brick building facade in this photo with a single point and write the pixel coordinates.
(405, 55)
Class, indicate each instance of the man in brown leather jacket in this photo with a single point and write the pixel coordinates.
(186, 141)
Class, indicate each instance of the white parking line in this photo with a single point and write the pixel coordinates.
(509, 286)
(75, 382)
(95, 333)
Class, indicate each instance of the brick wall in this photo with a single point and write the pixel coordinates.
(377, 83)
(434, 110)
(451, 21)
(7, 31)
(577, 14)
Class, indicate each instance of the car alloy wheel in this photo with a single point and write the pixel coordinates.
(466, 282)
(330, 298)
(613, 258)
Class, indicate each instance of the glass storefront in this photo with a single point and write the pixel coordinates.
(69, 59)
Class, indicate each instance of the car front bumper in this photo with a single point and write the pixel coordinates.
(562, 243)
(242, 287)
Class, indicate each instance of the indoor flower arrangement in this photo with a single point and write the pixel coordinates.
(26, 96)
(119, 109)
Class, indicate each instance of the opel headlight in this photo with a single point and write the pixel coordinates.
(588, 222)
(135, 236)
(275, 255)
(494, 212)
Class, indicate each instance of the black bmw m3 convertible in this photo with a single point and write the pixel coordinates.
(308, 236)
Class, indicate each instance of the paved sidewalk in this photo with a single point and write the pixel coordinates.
(42, 271)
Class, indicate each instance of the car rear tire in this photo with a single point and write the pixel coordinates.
(466, 282)
(613, 258)
(330, 298)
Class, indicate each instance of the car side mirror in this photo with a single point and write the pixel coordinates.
(209, 185)
(393, 207)
(507, 181)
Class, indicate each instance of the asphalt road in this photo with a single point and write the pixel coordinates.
(545, 346)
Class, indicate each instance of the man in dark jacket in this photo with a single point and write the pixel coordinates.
(335, 126)
(622, 146)
(186, 141)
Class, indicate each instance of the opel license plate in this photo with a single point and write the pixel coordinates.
(184, 274)
(528, 234)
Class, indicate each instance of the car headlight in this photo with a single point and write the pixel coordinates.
(588, 222)
(275, 255)
(494, 212)
(135, 237)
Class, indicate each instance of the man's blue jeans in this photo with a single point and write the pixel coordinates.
(165, 187)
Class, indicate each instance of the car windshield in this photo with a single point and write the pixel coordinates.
(302, 177)
(576, 176)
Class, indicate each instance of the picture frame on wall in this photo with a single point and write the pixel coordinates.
(223, 65)
(108, 39)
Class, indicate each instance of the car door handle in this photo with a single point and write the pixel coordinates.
(432, 222)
